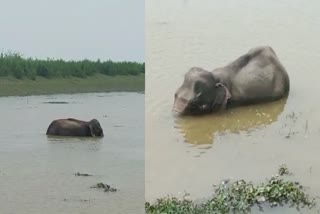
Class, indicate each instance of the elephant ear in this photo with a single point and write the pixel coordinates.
(222, 96)
(91, 130)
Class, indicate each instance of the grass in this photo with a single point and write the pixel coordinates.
(239, 197)
(98, 83)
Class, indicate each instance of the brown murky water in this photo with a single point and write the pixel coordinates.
(191, 154)
(37, 172)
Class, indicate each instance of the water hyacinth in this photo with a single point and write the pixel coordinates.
(283, 170)
(238, 197)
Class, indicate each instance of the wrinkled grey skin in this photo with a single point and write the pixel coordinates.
(74, 127)
(255, 77)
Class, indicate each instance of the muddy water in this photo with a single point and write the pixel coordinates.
(191, 154)
(37, 172)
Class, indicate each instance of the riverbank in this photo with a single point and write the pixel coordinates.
(97, 83)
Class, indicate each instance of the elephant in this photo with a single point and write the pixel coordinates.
(255, 77)
(74, 127)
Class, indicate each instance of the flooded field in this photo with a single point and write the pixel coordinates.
(190, 154)
(37, 173)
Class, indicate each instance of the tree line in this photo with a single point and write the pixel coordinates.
(14, 64)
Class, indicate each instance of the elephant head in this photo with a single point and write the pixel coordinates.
(95, 128)
(200, 93)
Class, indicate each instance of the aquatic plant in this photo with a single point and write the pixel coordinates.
(106, 187)
(283, 170)
(82, 174)
(239, 197)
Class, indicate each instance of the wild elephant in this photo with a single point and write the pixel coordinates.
(74, 127)
(255, 77)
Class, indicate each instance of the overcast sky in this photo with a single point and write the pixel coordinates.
(74, 29)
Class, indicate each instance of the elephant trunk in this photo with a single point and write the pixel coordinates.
(180, 106)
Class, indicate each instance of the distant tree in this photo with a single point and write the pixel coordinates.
(14, 64)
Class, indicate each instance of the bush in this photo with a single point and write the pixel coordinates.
(16, 65)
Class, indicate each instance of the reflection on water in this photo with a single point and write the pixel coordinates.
(202, 130)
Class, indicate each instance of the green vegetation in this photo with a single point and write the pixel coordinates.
(238, 197)
(28, 76)
(13, 64)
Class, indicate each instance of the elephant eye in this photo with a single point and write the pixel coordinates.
(199, 95)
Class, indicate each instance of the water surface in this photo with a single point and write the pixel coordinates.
(37, 172)
(191, 154)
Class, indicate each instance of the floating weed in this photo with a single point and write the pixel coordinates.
(283, 170)
(293, 116)
(106, 187)
(82, 174)
(239, 197)
(289, 128)
(171, 206)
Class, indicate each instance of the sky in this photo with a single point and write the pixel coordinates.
(74, 29)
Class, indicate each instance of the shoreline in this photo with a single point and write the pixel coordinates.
(94, 84)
